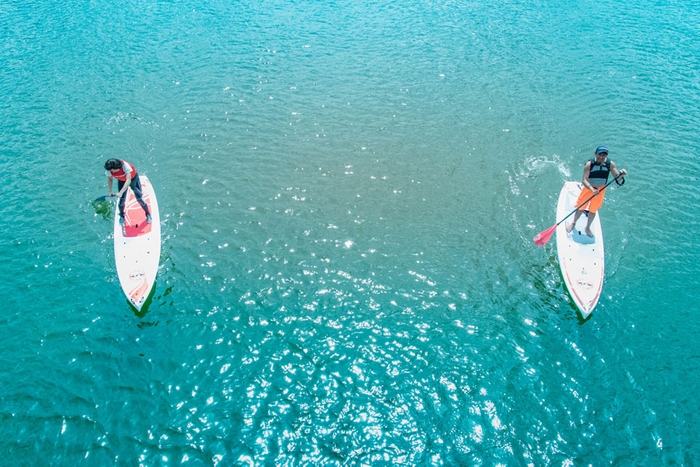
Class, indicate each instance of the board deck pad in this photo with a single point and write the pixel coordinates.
(135, 217)
(579, 234)
(137, 246)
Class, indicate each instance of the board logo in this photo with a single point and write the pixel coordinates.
(136, 275)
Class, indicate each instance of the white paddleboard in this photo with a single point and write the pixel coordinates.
(581, 257)
(137, 245)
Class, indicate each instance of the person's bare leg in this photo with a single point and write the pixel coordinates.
(591, 216)
(570, 227)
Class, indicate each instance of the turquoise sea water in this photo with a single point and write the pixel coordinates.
(348, 193)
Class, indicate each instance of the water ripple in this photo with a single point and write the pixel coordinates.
(349, 194)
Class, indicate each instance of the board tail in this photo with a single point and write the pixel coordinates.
(138, 295)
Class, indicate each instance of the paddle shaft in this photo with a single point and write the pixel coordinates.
(585, 202)
(105, 197)
(544, 236)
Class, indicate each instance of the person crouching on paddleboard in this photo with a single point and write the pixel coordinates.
(127, 177)
(595, 177)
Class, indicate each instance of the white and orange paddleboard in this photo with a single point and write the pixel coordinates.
(137, 245)
(581, 257)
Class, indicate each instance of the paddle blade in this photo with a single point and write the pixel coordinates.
(101, 198)
(544, 236)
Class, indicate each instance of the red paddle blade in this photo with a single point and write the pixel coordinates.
(544, 236)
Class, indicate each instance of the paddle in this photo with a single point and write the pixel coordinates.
(104, 198)
(544, 236)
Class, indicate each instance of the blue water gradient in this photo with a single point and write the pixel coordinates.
(348, 194)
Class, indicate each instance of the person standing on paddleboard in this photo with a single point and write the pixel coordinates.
(127, 177)
(595, 177)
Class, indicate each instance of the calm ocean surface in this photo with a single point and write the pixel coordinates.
(348, 193)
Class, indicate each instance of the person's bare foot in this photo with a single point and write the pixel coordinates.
(570, 227)
(589, 233)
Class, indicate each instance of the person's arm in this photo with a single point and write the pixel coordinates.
(126, 185)
(615, 172)
(109, 184)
